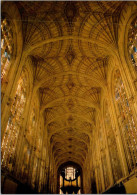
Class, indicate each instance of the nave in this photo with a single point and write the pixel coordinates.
(68, 97)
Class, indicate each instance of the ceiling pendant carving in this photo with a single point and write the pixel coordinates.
(70, 11)
(70, 55)
(70, 104)
(70, 84)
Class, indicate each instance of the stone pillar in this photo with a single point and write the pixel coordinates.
(96, 176)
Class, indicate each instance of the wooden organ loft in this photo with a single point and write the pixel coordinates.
(68, 97)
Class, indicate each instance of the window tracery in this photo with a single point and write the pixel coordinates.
(11, 135)
(33, 137)
(127, 122)
(132, 42)
(6, 48)
(38, 142)
(32, 125)
(112, 146)
(37, 161)
(25, 162)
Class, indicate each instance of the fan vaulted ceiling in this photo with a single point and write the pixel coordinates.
(70, 44)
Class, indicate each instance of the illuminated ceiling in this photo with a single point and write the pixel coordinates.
(70, 44)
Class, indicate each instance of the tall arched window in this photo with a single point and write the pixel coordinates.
(33, 144)
(11, 134)
(30, 138)
(38, 141)
(32, 125)
(126, 121)
(112, 146)
(38, 152)
(103, 157)
(25, 162)
(132, 42)
(6, 48)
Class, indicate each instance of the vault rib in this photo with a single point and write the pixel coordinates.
(108, 47)
(51, 103)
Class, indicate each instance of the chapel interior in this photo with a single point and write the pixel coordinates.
(68, 97)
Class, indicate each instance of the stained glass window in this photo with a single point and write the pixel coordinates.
(34, 141)
(103, 156)
(132, 42)
(11, 135)
(32, 125)
(6, 48)
(38, 142)
(127, 122)
(112, 146)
